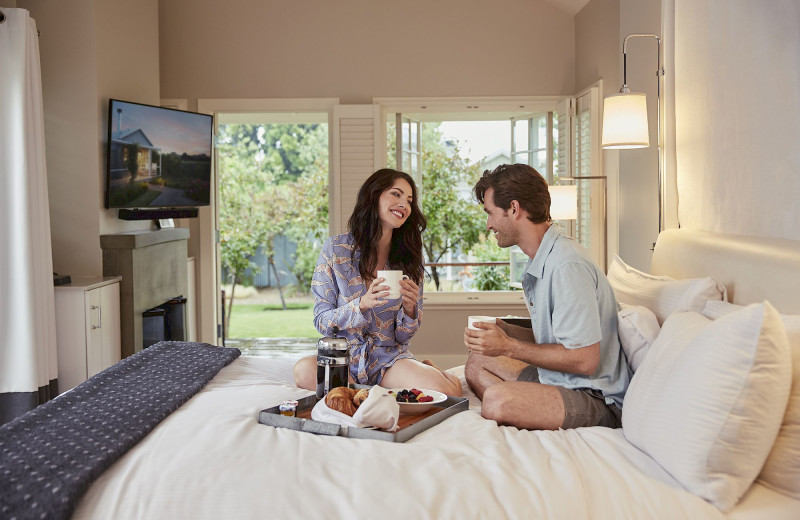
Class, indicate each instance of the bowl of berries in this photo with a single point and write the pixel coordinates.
(413, 401)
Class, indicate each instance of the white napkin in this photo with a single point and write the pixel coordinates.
(379, 409)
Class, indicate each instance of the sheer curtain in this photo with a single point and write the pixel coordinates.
(28, 362)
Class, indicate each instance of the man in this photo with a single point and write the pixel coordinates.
(569, 370)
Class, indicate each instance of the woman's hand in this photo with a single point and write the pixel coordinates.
(409, 292)
(376, 295)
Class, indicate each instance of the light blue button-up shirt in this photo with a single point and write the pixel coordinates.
(571, 303)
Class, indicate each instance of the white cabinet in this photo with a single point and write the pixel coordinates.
(87, 328)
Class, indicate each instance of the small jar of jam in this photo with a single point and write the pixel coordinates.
(288, 408)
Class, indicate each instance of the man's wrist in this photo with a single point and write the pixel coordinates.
(518, 349)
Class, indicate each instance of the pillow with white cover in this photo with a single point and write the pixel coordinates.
(781, 472)
(661, 294)
(638, 328)
(707, 402)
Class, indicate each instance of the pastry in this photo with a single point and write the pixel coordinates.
(341, 400)
(360, 396)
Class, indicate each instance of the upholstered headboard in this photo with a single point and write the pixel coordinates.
(751, 268)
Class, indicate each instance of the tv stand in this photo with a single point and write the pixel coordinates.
(156, 213)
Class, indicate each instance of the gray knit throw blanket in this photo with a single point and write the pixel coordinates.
(50, 456)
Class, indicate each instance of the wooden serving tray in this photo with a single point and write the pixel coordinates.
(408, 425)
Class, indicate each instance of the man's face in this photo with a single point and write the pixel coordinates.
(499, 221)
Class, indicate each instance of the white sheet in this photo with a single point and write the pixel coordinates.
(212, 459)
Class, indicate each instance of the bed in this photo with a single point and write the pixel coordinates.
(210, 458)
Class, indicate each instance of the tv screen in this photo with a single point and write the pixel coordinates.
(157, 157)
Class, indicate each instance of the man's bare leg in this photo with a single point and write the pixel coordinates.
(530, 406)
(484, 371)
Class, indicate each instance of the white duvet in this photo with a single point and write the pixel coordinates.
(212, 459)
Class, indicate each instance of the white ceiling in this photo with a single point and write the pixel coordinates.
(570, 6)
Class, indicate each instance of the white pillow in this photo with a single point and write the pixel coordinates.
(781, 472)
(638, 328)
(707, 402)
(661, 294)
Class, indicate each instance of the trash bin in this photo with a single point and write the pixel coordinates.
(174, 321)
(153, 326)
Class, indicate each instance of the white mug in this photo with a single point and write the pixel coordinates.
(392, 279)
(485, 319)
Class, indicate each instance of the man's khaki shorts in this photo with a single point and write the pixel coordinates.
(582, 407)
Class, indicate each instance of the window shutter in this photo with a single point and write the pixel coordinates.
(355, 141)
(590, 230)
(564, 110)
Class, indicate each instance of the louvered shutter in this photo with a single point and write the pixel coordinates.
(564, 145)
(590, 229)
(355, 134)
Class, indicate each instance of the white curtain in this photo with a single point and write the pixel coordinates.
(28, 362)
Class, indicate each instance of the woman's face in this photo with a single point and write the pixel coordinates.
(394, 205)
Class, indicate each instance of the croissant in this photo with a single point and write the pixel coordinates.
(360, 396)
(341, 400)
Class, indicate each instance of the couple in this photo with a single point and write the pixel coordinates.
(567, 371)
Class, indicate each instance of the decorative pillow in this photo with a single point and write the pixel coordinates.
(638, 328)
(707, 402)
(661, 294)
(781, 472)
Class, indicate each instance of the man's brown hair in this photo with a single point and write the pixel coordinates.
(518, 182)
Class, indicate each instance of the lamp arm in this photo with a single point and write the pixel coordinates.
(625, 89)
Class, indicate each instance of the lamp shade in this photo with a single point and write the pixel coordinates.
(625, 121)
(563, 202)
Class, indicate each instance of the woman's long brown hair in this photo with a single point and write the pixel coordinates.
(405, 251)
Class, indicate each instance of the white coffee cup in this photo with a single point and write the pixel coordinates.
(392, 279)
(484, 319)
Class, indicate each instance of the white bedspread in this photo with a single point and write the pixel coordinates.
(212, 459)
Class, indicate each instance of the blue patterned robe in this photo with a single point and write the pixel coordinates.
(377, 338)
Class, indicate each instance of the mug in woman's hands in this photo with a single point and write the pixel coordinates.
(392, 279)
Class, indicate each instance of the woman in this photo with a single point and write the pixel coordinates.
(385, 233)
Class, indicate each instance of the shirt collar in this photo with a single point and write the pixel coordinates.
(535, 265)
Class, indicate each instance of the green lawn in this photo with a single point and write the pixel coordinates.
(265, 321)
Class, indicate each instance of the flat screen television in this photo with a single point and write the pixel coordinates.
(157, 159)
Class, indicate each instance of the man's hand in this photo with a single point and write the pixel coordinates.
(489, 341)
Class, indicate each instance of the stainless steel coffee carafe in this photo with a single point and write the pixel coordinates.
(333, 363)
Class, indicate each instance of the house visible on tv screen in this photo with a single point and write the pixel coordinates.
(157, 157)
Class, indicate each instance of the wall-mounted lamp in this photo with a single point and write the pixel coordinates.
(625, 118)
(563, 202)
(564, 205)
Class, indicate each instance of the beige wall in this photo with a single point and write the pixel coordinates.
(359, 49)
(597, 47)
(89, 50)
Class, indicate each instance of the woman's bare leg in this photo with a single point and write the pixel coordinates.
(410, 373)
(453, 379)
(305, 373)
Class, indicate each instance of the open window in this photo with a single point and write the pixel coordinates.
(446, 144)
